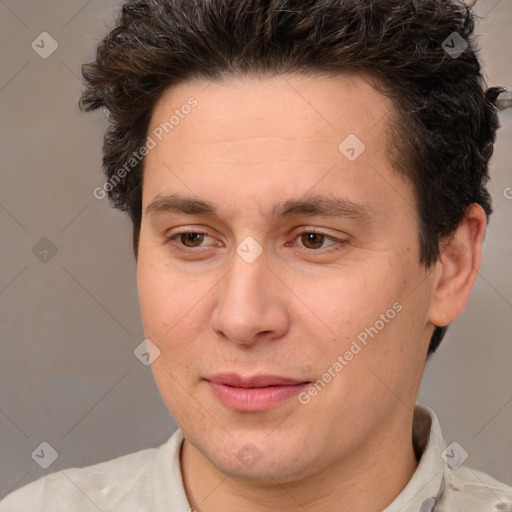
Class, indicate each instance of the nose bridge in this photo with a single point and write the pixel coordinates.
(248, 302)
(244, 289)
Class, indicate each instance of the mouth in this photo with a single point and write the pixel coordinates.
(256, 393)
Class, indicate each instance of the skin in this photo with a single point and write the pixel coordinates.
(248, 144)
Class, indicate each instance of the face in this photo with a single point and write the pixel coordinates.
(278, 272)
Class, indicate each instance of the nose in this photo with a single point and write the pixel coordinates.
(252, 303)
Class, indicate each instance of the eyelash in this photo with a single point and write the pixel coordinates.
(171, 240)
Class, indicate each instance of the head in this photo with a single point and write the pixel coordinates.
(242, 111)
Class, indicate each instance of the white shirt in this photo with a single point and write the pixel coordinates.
(151, 480)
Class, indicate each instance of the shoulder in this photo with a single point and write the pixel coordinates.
(474, 490)
(125, 480)
(462, 488)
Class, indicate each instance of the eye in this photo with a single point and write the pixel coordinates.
(188, 239)
(195, 239)
(314, 240)
(311, 241)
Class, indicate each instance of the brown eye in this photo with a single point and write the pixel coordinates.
(312, 240)
(191, 239)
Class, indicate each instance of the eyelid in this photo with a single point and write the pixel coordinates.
(188, 229)
(313, 229)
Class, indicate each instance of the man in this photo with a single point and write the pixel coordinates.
(306, 182)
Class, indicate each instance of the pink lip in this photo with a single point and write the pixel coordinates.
(256, 393)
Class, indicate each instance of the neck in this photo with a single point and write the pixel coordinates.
(366, 480)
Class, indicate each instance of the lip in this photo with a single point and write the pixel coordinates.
(255, 393)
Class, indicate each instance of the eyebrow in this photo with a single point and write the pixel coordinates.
(320, 205)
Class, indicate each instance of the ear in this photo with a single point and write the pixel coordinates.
(457, 268)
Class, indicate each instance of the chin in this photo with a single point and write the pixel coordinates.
(257, 456)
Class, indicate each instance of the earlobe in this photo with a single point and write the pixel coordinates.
(457, 268)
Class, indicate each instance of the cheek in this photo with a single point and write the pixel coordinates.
(174, 307)
(376, 310)
(154, 296)
(355, 302)
(162, 302)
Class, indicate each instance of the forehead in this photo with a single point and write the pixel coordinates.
(293, 106)
(269, 136)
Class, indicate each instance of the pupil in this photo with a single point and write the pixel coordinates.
(194, 238)
(315, 239)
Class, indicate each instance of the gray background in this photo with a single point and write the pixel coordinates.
(69, 326)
